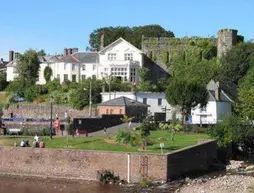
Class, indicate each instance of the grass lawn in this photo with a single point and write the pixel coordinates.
(98, 143)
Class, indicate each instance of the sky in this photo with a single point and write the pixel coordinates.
(53, 25)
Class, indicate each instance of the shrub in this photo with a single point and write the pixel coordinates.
(107, 176)
(145, 182)
(132, 138)
(31, 93)
(39, 131)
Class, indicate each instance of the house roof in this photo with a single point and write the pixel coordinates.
(69, 59)
(212, 86)
(43, 59)
(118, 41)
(123, 101)
(87, 57)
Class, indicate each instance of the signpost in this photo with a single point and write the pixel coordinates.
(161, 146)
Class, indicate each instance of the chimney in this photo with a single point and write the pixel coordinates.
(74, 50)
(102, 41)
(69, 51)
(11, 55)
(2, 60)
(16, 55)
(65, 51)
(217, 92)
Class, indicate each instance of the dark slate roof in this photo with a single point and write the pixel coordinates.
(122, 101)
(43, 59)
(223, 96)
(69, 59)
(87, 57)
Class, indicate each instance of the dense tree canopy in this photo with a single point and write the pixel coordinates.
(47, 73)
(28, 66)
(3, 82)
(235, 64)
(246, 96)
(133, 35)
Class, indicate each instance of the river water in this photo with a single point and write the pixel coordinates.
(30, 185)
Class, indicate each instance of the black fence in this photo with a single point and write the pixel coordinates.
(95, 124)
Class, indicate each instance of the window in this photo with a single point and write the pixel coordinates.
(83, 67)
(65, 66)
(73, 67)
(128, 56)
(65, 77)
(93, 76)
(112, 56)
(111, 111)
(83, 77)
(144, 100)
(203, 109)
(106, 111)
(58, 76)
(74, 78)
(94, 66)
(133, 75)
(159, 102)
(105, 69)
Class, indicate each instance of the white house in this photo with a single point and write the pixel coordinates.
(218, 106)
(156, 100)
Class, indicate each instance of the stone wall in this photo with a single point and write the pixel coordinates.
(78, 164)
(42, 111)
(194, 158)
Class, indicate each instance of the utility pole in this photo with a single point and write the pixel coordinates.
(109, 88)
(90, 99)
(51, 112)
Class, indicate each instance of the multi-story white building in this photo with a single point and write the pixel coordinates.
(119, 59)
(156, 101)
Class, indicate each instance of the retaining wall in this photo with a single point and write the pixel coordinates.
(84, 165)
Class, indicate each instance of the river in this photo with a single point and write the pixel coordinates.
(30, 185)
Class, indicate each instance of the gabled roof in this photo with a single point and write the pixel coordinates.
(212, 86)
(43, 59)
(123, 101)
(117, 42)
(87, 57)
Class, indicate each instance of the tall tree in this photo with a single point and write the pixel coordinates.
(245, 102)
(47, 73)
(28, 66)
(133, 35)
(3, 82)
(41, 53)
(235, 64)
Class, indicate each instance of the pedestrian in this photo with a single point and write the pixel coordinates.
(77, 133)
(42, 144)
(105, 130)
(130, 124)
(36, 138)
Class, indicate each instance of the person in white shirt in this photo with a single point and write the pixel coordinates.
(36, 138)
(22, 144)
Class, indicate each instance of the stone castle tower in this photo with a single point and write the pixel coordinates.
(227, 38)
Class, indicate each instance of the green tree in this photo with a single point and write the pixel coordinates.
(146, 83)
(245, 101)
(41, 53)
(79, 98)
(28, 66)
(236, 63)
(47, 73)
(186, 94)
(53, 85)
(145, 128)
(3, 82)
(133, 35)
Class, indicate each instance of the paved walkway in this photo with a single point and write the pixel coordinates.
(113, 130)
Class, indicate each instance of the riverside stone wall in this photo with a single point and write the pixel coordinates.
(78, 164)
(42, 111)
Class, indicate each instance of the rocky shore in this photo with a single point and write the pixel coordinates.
(238, 178)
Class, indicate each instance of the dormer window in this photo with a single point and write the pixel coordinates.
(128, 56)
(112, 56)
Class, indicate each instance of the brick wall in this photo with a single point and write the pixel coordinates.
(85, 164)
(76, 164)
(115, 110)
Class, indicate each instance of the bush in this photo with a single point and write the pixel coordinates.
(107, 176)
(132, 138)
(31, 93)
(145, 183)
(39, 131)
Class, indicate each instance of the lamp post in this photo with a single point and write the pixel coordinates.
(51, 112)
(90, 98)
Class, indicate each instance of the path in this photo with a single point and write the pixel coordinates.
(113, 130)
